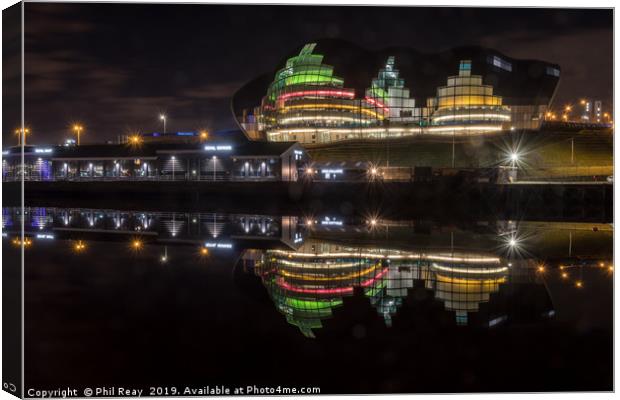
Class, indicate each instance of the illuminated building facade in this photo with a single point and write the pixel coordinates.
(332, 90)
(152, 160)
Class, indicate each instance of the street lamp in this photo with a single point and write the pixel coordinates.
(77, 128)
(19, 132)
(163, 118)
(135, 139)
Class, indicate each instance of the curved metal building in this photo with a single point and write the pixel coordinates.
(332, 90)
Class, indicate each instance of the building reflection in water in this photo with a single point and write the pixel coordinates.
(310, 272)
(306, 285)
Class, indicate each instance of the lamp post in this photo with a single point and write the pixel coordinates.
(77, 128)
(214, 166)
(163, 118)
(19, 132)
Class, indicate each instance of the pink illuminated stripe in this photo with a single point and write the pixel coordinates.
(298, 289)
(377, 103)
(333, 93)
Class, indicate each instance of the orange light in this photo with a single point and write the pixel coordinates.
(79, 246)
(541, 269)
(579, 284)
(136, 244)
(204, 135)
(564, 275)
(135, 139)
(204, 251)
(27, 242)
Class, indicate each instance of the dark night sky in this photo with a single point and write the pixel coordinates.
(115, 67)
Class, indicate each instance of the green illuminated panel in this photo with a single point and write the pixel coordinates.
(315, 79)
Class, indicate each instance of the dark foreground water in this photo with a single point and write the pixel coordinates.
(186, 301)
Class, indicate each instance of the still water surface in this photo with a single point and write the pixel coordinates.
(366, 305)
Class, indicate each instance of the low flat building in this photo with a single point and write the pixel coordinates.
(207, 161)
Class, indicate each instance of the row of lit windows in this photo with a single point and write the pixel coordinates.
(474, 80)
(462, 101)
(476, 90)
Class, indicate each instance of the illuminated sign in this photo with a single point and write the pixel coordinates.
(332, 221)
(213, 245)
(218, 148)
(5, 152)
(44, 236)
(186, 134)
(42, 150)
(298, 152)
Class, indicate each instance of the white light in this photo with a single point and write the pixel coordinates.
(514, 157)
(224, 147)
(331, 171)
(470, 270)
(219, 245)
(333, 221)
(512, 242)
(173, 158)
(42, 150)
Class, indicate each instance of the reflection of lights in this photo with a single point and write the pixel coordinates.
(17, 241)
(474, 271)
(474, 259)
(349, 289)
(79, 246)
(311, 277)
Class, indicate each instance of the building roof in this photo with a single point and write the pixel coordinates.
(152, 149)
(529, 82)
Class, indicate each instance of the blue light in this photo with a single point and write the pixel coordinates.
(186, 134)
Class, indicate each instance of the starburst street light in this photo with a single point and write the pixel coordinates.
(135, 139)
